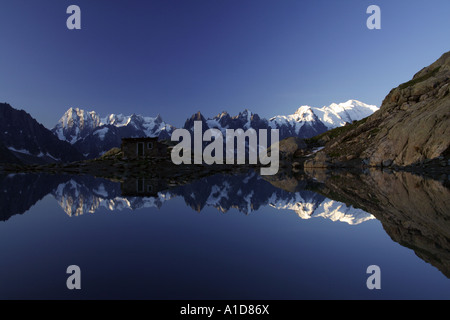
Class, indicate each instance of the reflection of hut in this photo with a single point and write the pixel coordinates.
(140, 148)
(142, 187)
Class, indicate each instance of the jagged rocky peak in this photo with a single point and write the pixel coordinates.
(189, 123)
(195, 117)
(116, 120)
(158, 118)
(221, 115)
(75, 124)
(255, 117)
(80, 117)
(244, 114)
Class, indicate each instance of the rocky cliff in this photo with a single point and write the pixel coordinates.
(411, 127)
(29, 141)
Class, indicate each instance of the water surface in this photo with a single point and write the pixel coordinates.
(224, 237)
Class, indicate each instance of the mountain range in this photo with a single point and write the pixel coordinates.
(92, 135)
(81, 134)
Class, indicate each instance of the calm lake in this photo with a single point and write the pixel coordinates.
(225, 237)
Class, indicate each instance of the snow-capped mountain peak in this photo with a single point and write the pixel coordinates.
(303, 123)
(308, 121)
(338, 114)
(75, 124)
(117, 120)
(93, 135)
(304, 113)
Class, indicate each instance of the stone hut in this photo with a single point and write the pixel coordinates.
(142, 148)
(142, 187)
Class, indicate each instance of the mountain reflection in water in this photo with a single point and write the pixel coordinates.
(413, 210)
(248, 192)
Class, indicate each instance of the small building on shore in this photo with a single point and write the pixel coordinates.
(142, 187)
(142, 148)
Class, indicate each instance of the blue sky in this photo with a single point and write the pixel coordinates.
(177, 57)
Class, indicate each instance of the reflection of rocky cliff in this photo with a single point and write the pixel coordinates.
(19, 192)
(414, 211)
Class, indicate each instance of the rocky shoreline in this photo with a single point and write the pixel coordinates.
(117, 169)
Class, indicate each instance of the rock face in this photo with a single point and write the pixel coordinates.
(6, 156)
(412, 125)
(287, 147)
(29, 141)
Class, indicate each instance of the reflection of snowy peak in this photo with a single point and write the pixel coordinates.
(245, 193)
(86, 195)
(76, 198)
(328, 209)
